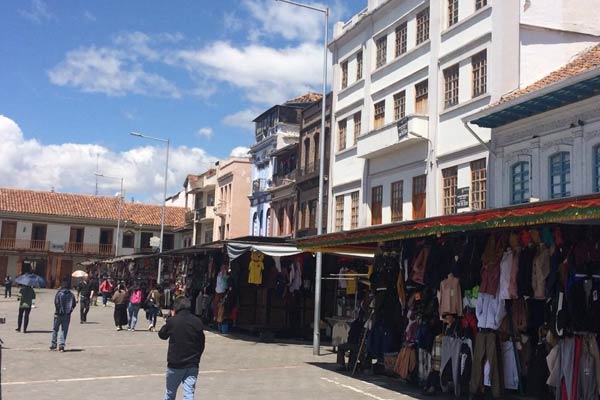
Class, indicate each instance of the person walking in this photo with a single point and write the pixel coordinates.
(84, 295)
(64, 304)
(95, 288)
(186, 344)
(152, 307)
(26, 296)
(8, 286)
(106, 288)
(120, 298)
(135, 301)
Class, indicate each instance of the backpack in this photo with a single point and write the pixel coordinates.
(136, 297)
(64, 302)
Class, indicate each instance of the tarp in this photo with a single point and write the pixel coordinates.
(236, 249)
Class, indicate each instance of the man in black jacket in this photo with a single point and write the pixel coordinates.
(186, 345)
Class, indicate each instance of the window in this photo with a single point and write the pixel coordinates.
(479, 4)
(381, 51)
(302, 215)
(344, 74)
(168, 242)
(379, 114)
(359, 65)
(421, 95)
(399, 105)
(478, 184)
(357, 125)
(450, 182)
(423, 26)
(145, 240)
(397, 192)
(376, 204)
(451, 86)
(401, 39)
(128, 240)
(281, 221)
(208, 236)
(597, 168)
(341, 135)
(354, 210)
(452, 12)
(339, 213)
(560, 175)
(519, 182)
(419, 196)
(479, 67)
(312, 214)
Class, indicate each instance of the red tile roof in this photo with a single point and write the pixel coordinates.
(586, 61)
(86, 206)
(305, 98)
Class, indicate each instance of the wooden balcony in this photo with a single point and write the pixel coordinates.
(89, 249)
(21, 244)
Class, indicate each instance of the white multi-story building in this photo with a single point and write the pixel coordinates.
(406, 74)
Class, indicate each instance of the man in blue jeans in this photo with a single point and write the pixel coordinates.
(186, 345)
(64, 304)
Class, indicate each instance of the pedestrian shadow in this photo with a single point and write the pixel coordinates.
(90, 323)
(37, 331)
(73, 350)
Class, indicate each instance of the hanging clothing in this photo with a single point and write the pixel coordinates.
(524, 274)
(490, 311)
(419, 266)
(296, 278)
(406, 362)
(490, 278)
(342, 283)
(485, 349)
(505, 274)
(450, 297)
(560, 364)
(509, 362)
(451, 359)
(584, 304)
(255, 271)
(222, 284)
(538, 373)
(351, 284)
(541, 269)
(424, 364)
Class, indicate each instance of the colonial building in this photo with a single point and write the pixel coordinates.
(233, 189)
(406, 73)
(307, 175)
(276, 128)
(50, 233)
(546, 137)
(283, 191)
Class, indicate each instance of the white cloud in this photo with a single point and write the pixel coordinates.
(28, 163)
(241, 119)
(205, 132)
(38, 12)
(239, 151)
(88, 16)
(110, 71)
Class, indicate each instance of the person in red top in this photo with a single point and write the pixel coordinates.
(106, 288)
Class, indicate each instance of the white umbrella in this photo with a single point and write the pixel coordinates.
(79, 274)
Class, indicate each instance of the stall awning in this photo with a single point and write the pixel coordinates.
(236, 249)
(567, 210)
(125, 258)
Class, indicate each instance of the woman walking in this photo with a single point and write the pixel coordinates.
(135, 301)
(26, 297)
(152, 307)
(120, 298)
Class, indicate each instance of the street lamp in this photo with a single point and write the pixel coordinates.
(120, 208)
(319, 260)
(164, 205)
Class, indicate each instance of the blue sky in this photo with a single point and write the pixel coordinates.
(77, 76)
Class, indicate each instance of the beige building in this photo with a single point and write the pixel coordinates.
(49, 233)
(232, 205)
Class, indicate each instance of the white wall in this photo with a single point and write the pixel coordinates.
(568, 15)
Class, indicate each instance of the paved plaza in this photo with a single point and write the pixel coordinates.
(101, 363)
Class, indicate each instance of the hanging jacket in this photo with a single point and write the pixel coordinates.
(541, 269)
(490, 311)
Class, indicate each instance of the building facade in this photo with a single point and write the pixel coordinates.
(546, 137)
(275, 129)
(231, 201)
(307, 175)
(283, 192)
(50, 233)
(406, 74)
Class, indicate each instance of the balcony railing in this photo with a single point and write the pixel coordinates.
(201, 212)
(20, 244)
(189, 217)
(259, 185)
(89, 248)
(279, 180)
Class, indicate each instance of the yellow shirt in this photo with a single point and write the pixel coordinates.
(255, 272)
(351, 284)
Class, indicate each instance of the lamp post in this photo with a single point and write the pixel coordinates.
(164, 205)
(319, 258)
(120, 207)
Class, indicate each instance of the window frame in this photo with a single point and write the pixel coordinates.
(130, 235)
(401, 39)
(376, 205)
(344, 68)
(359, 65)
(423, 26)
(451, 86)
(397, 200)
(354, 210)
(379, 114)
(479, 74)
(381, 51)
(339, 213)
(422, 97)
(478, 190)
(449, 187)
(522, 195)
(357, 125)
(399, 105)
(342, 129)
(479, 4)
(564, 174)
(419, 192)
(452, 12)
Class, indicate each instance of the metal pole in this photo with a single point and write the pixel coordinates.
(319, 261)
(162, 220)
(119, 219)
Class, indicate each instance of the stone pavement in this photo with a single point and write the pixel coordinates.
(101, 363)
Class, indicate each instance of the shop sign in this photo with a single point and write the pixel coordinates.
(402, 126)
(462, 197)
(154, 241)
